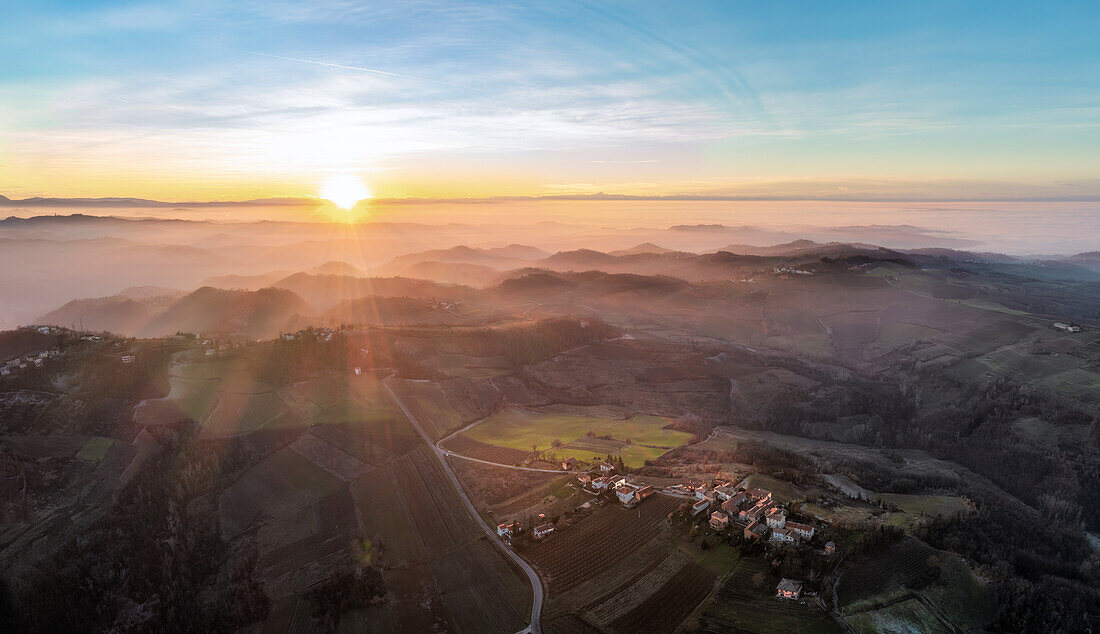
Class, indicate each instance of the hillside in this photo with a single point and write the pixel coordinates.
(118, 314)
(255, 314)
(326, 291)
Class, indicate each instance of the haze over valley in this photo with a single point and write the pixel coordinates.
(549, 318)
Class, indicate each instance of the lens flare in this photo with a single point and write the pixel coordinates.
(345, 190)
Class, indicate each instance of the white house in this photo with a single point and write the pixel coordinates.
(506, 530)
(804, 531)
(784, 536)
(542, 531)
(630, 494)
(699, 507)
(776, 518)
(127, 358)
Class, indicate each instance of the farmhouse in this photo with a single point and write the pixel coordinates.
(631, 494)
(568, 463)
(543, 530)
(784, 536)
(755, 530)
(719, 521)
(601, 483)
(757, 511)
(605, 467)
(584, 479)
(725, 492)
(776, 518)
(830, 548)
(699, 507)
(789, 589)
(802, 530)
(506, 530)
(1064, 327)
(759, 494)
(127, 358)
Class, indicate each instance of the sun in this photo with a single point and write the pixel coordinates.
(345, 190)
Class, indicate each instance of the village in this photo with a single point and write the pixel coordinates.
(735, 511)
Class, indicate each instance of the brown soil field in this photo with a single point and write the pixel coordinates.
(671, 604)
(463, 445)
(570, 556)
(489, 486)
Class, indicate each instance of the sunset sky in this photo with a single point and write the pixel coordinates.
(215, 100)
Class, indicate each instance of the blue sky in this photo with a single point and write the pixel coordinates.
(208, 100)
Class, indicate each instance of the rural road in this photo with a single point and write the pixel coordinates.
(536, 584)
(497, 464)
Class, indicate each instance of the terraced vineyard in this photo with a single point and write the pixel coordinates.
(579, 552)
(666, 608)
(437, 514)
(481, 590)
(466, 446)
(357, 442)
(242, 413)
(903, 563)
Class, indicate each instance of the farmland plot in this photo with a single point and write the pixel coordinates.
(670, 604)
(437, 514)
(633, 594)
(237, 414)
(282, 481)
(746, 602)
(330, 458)
(902, 563)
(523, 429)
(466, 446)
(383, 515)
(292, 566)
(481, 590)
(430, 406)
(573, 555)
(357, 441)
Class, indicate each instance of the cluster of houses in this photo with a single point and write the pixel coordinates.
(602, 478)
(321, 333)
(755, 510)
(784, 272)
(32, 359)
(508, 529)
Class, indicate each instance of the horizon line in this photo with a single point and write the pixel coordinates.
(308, 201)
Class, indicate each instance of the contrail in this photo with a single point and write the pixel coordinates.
(361, 69)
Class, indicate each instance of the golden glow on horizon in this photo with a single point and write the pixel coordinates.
(345, 191)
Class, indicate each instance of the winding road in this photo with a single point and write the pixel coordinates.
(538, 594)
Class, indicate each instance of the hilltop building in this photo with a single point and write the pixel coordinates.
(789, 589)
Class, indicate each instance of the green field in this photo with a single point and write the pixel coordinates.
(524, 429)
(927, 504)
(95, 448)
